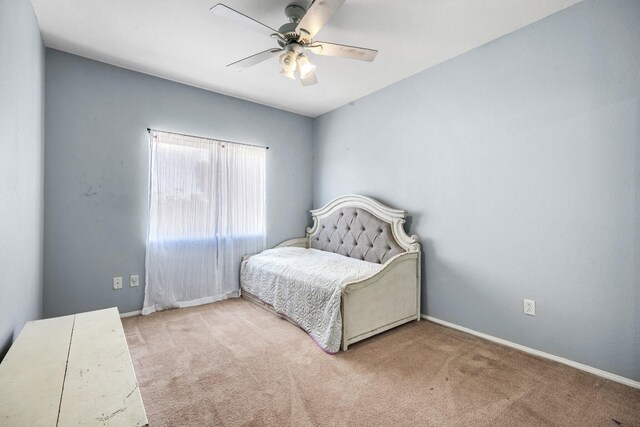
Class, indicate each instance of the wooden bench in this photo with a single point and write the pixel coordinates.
(71, 370)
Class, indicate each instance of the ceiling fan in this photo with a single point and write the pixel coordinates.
(295, 38)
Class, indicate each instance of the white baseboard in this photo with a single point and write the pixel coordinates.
(131, 313)
(577, 365)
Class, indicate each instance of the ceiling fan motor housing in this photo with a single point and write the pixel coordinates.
(288, 30)
(295, 13)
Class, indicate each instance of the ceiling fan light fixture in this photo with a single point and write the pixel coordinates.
(287, 59)
(305, 65)
(288, 62)
(288, 73)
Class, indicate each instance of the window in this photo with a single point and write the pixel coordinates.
(206, 210)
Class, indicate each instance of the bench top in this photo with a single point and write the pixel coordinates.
(71, 370)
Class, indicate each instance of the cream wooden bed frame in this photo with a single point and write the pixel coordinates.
(379, 302)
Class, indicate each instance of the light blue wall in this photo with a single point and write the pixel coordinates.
(21, 168)
(96, 172)
(520, 163)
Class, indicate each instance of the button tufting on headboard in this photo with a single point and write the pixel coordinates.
(356, 233)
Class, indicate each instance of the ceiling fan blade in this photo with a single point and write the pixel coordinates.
(242, 19)
(252, 60)
(318, 14)
(343, 51)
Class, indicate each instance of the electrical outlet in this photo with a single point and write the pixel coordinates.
(117, 283)
(530, 307)
(134, 280)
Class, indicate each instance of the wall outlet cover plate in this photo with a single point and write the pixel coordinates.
(529, 307)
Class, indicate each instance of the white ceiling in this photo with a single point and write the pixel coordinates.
(182, 41)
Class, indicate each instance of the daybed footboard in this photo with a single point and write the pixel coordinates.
(383, 301)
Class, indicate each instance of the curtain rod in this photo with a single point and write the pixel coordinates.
(213, 139)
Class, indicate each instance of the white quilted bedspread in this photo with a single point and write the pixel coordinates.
(305, 285)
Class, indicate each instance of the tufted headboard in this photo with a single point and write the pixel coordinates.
(362, 228)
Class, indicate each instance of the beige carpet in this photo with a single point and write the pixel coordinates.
(234, 364)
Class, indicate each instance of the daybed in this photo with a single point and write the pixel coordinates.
(354, 275)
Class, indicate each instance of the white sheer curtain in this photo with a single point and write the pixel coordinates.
(206, 210)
